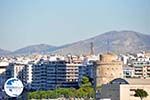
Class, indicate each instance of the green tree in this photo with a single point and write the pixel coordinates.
(85, 82)
(140, 93)
(85, 91)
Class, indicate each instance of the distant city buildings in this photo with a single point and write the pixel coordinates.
(117, 75)
(46, 72)
(137, 66)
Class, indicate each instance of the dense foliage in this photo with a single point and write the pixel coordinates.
(140, 93)
(85, 91)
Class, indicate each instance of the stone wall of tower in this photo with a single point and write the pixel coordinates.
(108, 68)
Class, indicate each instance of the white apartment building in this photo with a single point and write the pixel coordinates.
(141, 68)
(137, 66)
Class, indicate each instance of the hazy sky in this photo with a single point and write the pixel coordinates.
(57, 22)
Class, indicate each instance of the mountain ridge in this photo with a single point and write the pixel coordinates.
(38, 48)
(113, 41)
(4, 52)
(118, 40)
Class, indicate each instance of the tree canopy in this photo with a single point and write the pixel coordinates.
(85, 91)
(140, 93)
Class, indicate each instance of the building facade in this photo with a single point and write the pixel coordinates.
(18, 70)
(141, 69)
(108, 68)
(124, 89)
(3, 68)
(53, 74)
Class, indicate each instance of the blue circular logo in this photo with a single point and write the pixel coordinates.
(13, 87)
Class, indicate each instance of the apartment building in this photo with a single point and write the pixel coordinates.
(137, 65)
(18, 70)
(141, 68)
(128, 72)
(3, 67)
(49, 71)
(51, 74)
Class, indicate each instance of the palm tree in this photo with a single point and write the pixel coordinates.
(140, 93)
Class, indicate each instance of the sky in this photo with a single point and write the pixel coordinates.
(59, 22)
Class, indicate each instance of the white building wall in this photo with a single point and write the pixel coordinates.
(29, 74)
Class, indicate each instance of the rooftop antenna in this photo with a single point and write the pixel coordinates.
(92, 48)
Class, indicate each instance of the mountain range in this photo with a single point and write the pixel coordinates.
(4, 52)
(113, 41)
(33, 49)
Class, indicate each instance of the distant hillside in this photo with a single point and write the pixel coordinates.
(115, 41)
(4, 52)
(41, 48)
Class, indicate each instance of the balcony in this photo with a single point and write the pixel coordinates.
(138, 69)
(139, 74)
(148, 72)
